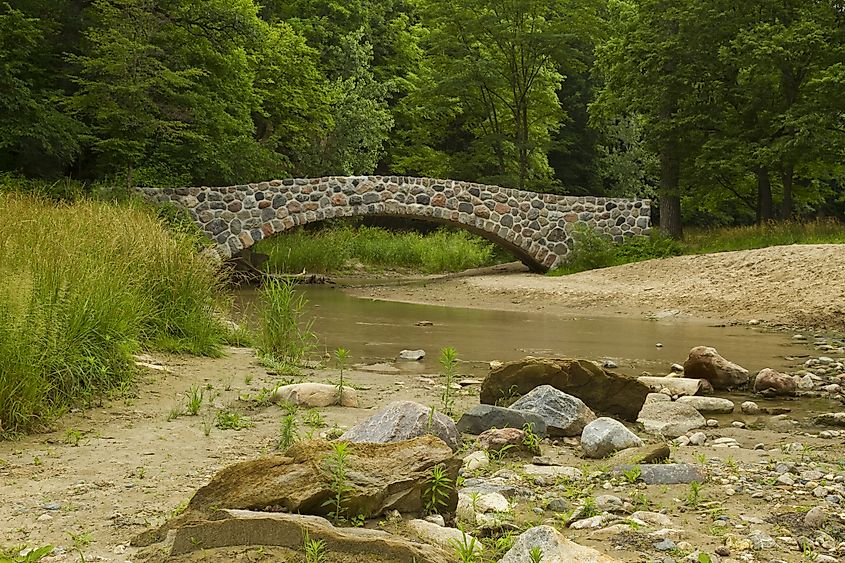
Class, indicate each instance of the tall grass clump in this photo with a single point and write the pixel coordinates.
(284, 338)
(821, 231)
(84, 285)
(338, 248)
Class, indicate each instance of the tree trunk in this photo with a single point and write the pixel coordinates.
(765, 208)
(129, 175)
(670, 196)
(786, 174)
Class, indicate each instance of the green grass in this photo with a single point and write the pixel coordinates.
(592, 251)
(339, 248)
(86, 284)
(285, 337)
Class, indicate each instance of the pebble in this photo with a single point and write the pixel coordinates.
(665, 545)
(738, 424)
(51, 506)
(712, 423)
(750, 407)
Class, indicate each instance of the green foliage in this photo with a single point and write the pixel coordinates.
(342, 357)
(12, 555)
(694, 495)
(228, 420)
(339, 483)
(531, 441)
(335, 249)
(437, 490)
(468, 550)
(535, 554)
(593, 250)
(194, 400)
(632, 475)
(315, 550)
(86, 285)
(288, 435)
(284, 336)
(448, 360)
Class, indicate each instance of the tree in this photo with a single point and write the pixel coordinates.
(499, 61)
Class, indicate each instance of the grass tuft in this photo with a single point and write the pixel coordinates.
(85, 285)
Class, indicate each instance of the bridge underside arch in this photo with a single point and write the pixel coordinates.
(536, 228)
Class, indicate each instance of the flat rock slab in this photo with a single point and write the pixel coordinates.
(484, 417)
(555, 547)
(403, 420)
(677, 385)
(412, 355)
(380, 478)
(708, 405)
(670, 419)
(602, 390)
(666, 473)
(248, 528)
(553, 471)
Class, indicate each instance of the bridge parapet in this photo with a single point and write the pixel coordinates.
(535, 227)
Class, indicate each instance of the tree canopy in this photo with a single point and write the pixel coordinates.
(724, 112)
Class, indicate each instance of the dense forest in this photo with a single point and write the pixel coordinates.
(724, 111)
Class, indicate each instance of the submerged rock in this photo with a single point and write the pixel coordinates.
(831, 419)
(563, 414)
(605, 436)
(600, 389)
(705, 362)
(402, 420)
(772, 383)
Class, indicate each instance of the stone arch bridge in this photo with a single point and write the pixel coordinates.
(536, 228)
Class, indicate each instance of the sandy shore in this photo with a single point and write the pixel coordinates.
(802, 285)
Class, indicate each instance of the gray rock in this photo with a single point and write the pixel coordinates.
(605, 436)
(761, 540)
(554, 546)
(563, 414)
(412, 355)
(664, 545)
(402, 420)
(707, 405)
(670, 419)
(815, 517)
(484, 417)
(666, 473)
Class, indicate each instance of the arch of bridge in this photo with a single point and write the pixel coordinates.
(537, 228)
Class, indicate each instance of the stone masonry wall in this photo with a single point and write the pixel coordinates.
(537, 228)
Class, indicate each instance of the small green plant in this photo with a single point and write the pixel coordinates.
(314, 419)
(207, 424)
(632, 475)
(73, 436)
(175, 413)
(341, 357)
(80, 541)
(468, 549)
(339, 483)
(530, 440)
(194, 400)
(437, 490)
(701, 458)
(589, 507)
(288, 435)
(499, 545)
(227, 420)
(498, 455)
(14, 555)
(315, 550)
(694, 494)
(448, 361)
(535, 554)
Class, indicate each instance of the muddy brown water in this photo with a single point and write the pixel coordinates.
(376, 331)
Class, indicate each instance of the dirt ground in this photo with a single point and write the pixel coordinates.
(800, 285)
(111, 471)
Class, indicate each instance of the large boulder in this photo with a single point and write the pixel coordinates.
(563, 414)
(669, 419)
(402, 420)
(315, 395)
(380, 478)
(605, 436)
(484, 417)
(554, 546)
(236, 528)
(705, 362)
(772, 383)
(602, 390)
(705, 405)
